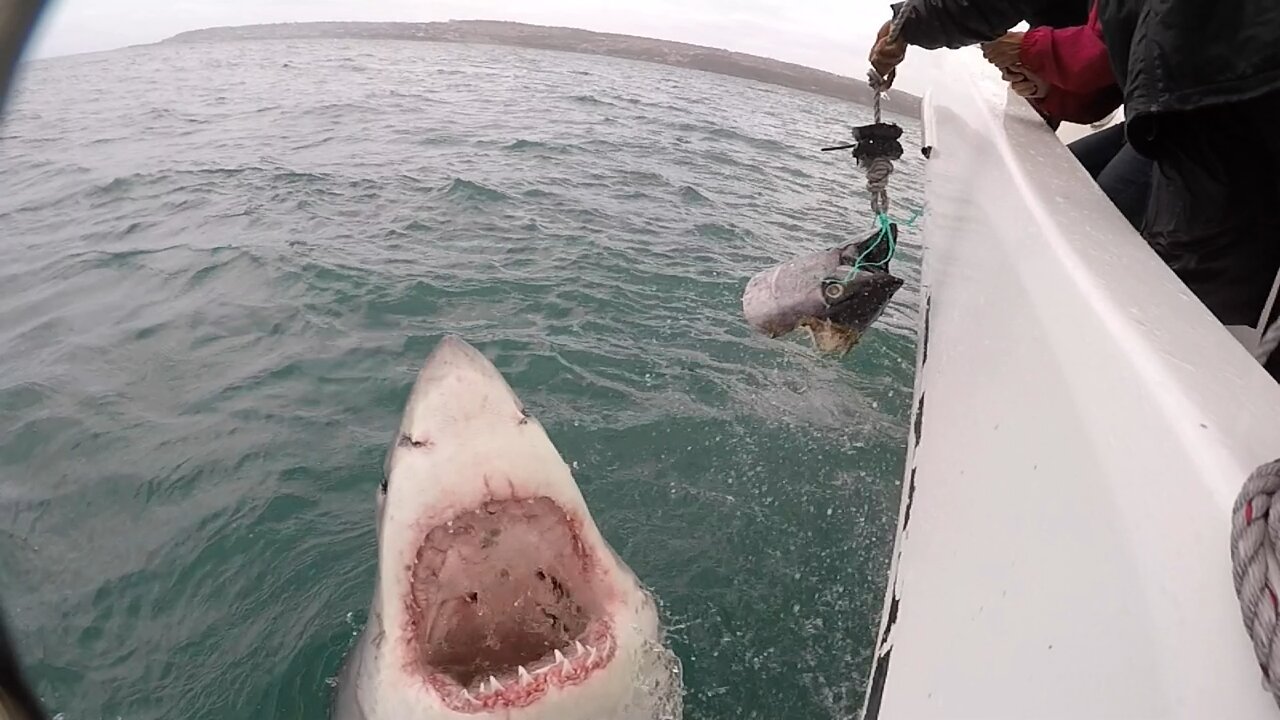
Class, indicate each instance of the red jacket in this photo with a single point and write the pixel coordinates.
(1074, 62)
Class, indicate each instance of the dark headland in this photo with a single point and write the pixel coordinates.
(683, 55)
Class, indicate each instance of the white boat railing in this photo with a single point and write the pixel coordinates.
(1082, 426)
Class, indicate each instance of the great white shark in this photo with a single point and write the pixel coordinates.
(496, 594)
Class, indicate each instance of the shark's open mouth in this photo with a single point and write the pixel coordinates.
(506, 604)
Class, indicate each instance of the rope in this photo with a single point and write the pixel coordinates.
(878, 171)
(885, 223)
(1267, 338)
(1255, 567)
(878, 83)
(1270, 342)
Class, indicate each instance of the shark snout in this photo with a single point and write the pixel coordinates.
(457, 389)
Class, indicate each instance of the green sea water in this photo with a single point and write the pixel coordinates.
(221, 265)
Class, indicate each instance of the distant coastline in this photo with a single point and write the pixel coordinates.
(675, 54)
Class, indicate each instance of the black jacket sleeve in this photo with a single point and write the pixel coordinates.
(936, 24)
(1174, 57)
(933, 24)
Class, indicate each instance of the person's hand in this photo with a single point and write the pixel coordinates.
(886, 54)
(1003, 51)
(1025, 83)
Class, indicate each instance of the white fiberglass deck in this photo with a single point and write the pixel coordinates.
(1082, 427)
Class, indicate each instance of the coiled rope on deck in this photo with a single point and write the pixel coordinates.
(1255, 567)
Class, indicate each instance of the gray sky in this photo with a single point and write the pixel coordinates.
(832, 35)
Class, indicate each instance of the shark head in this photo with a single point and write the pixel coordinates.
(497, 596)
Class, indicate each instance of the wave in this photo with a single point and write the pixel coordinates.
(218, 264)
(716, 231)
(759, 143)
(523, 145)
(591, 100)
(461, 189)
(294, 177)
(691, 195)
(644, 177)
(437, 140)
(733, 136)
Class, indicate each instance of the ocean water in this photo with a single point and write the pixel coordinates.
(221, 265)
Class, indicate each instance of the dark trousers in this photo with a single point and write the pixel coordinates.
(1123, 174)
(1215, 206)
(1214, 215)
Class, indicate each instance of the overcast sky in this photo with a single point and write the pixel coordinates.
(832, 35)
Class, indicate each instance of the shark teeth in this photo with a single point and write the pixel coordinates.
(497, 686)
(468, 695)
(581, 654)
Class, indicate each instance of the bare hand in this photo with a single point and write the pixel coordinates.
(1024, 83)
(886, 54)
(1003, 52)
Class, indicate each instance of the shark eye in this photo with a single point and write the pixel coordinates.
(386, 467)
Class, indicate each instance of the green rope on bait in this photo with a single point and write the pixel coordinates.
(885, 223)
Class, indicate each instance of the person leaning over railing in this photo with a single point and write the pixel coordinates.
(933, 24)
(1066, 75)
(1061, 66)
(1200, 81)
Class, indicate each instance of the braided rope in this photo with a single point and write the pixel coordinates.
(1255, 567)
(1268, 337)
(878, 171)
(880, 86)
(1270, 342)
(879, 83)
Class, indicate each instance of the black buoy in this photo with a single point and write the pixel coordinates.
(878, 140)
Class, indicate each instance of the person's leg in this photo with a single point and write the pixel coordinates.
(1096, 150)
(1214, 215)
(1126, 180)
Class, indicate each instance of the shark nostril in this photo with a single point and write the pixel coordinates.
(408, 441)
